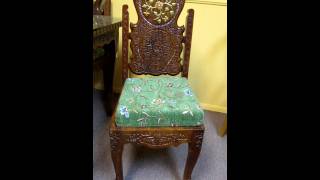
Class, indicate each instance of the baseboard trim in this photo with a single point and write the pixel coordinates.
(215, 108)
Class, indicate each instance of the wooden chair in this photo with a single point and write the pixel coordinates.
(160, 111)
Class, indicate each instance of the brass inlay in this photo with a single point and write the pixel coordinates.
(160, 11)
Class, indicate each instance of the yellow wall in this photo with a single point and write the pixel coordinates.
(208, 61)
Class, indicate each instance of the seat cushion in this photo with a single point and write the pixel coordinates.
(158, 101)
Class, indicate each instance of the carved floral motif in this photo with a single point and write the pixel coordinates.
(157, 140)
(198, 140)
(114, 140)
(160, 11)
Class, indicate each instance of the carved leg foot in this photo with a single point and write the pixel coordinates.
(116, 153)
(194, 149)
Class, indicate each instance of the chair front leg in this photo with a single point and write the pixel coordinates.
(116, 154)
(194, 148)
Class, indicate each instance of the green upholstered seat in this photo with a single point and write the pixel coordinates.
(158, 102)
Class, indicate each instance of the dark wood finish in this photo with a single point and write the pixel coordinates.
(106, 36)
(187, 42)
(107, 8)
(155, 138)
(125, 39)
(108, 72)
(156, 48)
(96, 7)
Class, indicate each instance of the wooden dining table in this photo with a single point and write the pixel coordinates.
(105, 46)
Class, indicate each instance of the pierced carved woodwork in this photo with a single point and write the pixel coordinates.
(156, 52)
(156, 46)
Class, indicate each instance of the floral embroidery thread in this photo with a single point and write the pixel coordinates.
(187, 92)
(136, 89)
(158, 101)
(163, 101)
(124, 111)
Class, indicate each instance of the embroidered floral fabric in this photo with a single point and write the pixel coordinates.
(158, 101)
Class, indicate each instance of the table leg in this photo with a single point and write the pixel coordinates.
(108, 71)
(223, 129)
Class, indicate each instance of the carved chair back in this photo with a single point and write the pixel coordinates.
(156, 39)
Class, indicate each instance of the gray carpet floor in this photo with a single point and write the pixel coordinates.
(166, 164)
